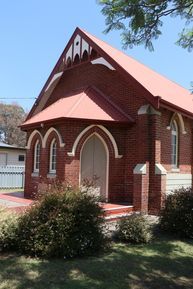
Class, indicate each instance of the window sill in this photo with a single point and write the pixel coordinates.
(51, 175)
(35, 174)
(175, 170)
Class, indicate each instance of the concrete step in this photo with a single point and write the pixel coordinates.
(117, 217)
(115, 212)
(118, 210)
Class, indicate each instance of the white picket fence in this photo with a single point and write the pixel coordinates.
(12, 177)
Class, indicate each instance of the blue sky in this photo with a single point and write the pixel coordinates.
(34, 33)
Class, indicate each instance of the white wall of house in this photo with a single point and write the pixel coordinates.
(177, 181)
(13, 157)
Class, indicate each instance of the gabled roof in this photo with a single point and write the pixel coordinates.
(89, 104)
(158, 85)
(159, 90)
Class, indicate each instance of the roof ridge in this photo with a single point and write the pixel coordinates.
(110, 101)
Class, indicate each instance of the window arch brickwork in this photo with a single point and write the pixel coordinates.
(53, 156)
(52, 138)
(36, 158)
(174, 143)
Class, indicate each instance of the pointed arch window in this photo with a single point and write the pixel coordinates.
(37, 156)
(53, 155)
(69, 62)
(76, 59)
(85, 56)
(174, 144)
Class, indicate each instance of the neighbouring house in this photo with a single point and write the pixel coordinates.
(104, 116)
(11, 155)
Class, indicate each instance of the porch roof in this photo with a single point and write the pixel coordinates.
(87, 104)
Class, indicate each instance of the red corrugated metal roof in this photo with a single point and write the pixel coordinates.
(155, 83)
(88, 104)
(160, 90)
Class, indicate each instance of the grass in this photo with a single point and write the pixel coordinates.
(166, 263)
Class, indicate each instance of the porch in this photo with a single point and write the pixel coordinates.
(14, 200)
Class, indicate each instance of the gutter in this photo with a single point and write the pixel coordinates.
(173, 107)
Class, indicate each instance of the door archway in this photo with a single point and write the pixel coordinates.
(94, 164)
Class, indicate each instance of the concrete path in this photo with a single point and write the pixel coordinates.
(14, 200)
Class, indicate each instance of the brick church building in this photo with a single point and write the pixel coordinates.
(103, 115)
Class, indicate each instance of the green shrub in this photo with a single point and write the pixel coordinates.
(8, 230)
(64, 223)
(177, 215)
(134, 229)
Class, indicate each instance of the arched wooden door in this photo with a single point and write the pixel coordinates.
(94, 162)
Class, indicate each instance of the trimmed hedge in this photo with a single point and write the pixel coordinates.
(8, 230)
(134, 229)
(64, 223)
(177, 215)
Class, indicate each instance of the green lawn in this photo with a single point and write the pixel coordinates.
(163, 264)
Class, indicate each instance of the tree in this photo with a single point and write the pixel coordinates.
(11, 116)
(141, 20)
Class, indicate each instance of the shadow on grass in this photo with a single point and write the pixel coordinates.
(163, 264)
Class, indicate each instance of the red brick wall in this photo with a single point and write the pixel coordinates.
(110, 82)
(146, 141)
(68, 167)
(185, 143)
(124, 94)
(161, 153)
(31, 184)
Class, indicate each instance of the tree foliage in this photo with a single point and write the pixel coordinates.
(177, 215)
(11, 116)
(141, 20)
